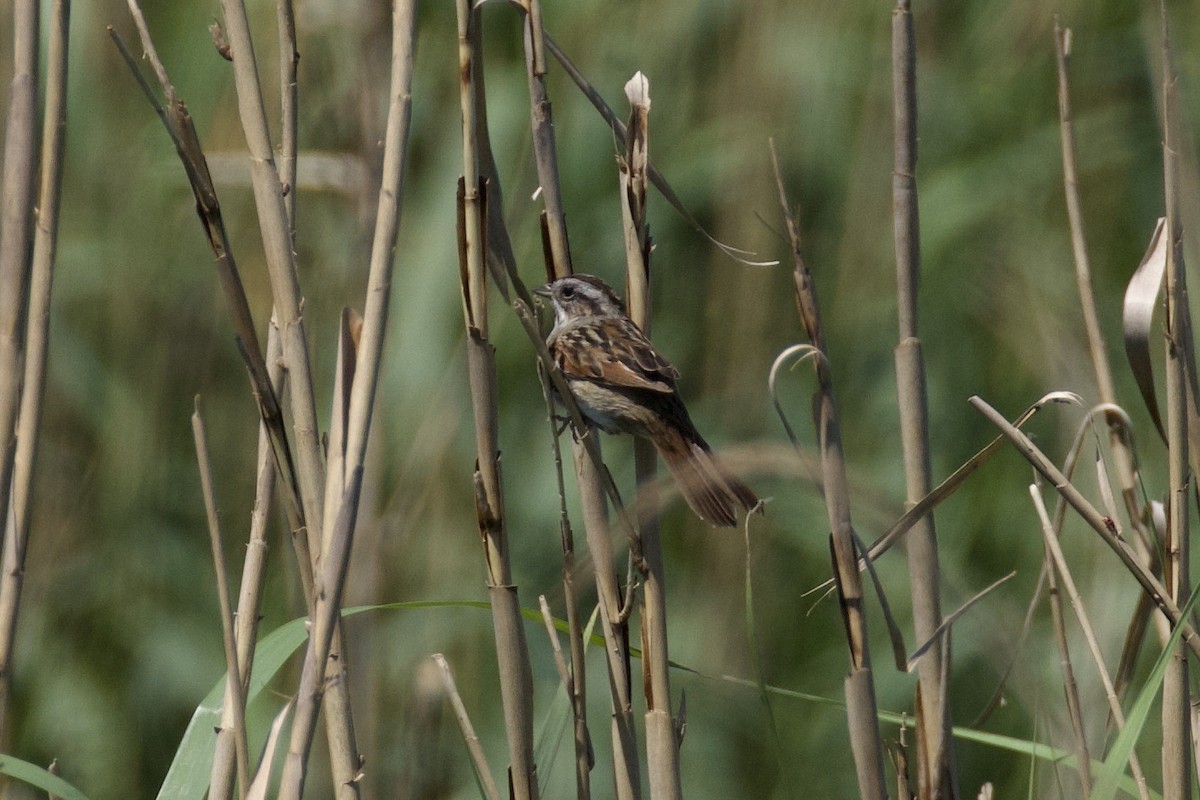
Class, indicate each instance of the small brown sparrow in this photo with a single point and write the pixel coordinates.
(623, 385)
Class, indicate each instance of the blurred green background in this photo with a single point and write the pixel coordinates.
(119, 637)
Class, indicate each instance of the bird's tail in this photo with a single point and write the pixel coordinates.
(711, 491)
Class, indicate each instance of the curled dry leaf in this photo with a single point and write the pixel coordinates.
(1137, 312)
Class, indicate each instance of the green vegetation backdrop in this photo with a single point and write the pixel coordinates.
(120, 638)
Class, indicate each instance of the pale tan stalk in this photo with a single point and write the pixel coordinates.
(935, 765)
(865, 742)
(254, 571)
(544, 148)
(182, 130)
(329, 583)
(577, 687)
(1176, 702)
(285, 284)
(289, 100)
(1054, 550)
(1070, 685)
(516, 681)
(662, 738)
(37, 336)
(233, 684)
(474, 748)
(17, 194)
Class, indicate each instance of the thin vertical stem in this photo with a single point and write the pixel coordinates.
(935, 765)
(254, 570)
(1176, 714)
(861, 709)
(662, 740)
(233, 686)
(516, 680)
(45, 243)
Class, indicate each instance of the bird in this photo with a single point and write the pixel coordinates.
(622, 384)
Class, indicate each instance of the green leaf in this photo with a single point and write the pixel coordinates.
(1118, 755)
(187, 778)
(39, 778)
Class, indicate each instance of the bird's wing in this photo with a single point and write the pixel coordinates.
(614, 352)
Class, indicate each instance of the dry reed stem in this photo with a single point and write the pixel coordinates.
(285, 285)
(1120, 437)
(935, 770)
(516, 681)
(1176, 702)
(289, 60)
(1059, 561)
(662, 738)
(336, 692)
(254, 570)
(17, 193)
(329, 582)
(1070, 686)
(544, 148)
(577, 688)
(359, 384)
(233, 686)
(474, 748)
(41, 280)
(861, 709)
(1098, 522)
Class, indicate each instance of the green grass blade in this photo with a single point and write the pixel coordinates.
(1118, 755)
(39, 778)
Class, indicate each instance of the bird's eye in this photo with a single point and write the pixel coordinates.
(568, 292)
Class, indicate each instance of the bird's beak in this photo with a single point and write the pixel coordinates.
(543, 290)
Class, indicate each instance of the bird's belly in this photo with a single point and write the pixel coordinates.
(608, 410)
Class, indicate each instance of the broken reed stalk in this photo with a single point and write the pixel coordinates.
(1058, 562)
(545, 150)
(254, 572)
(662, 738)
(1176, 703)
(37, 336)
(233, 685)
(935, 761)
(516, 681)
(17, 195)
(1118, 433)
(590, 472)
(1120, 440)
(861, 710)
(470, 739)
